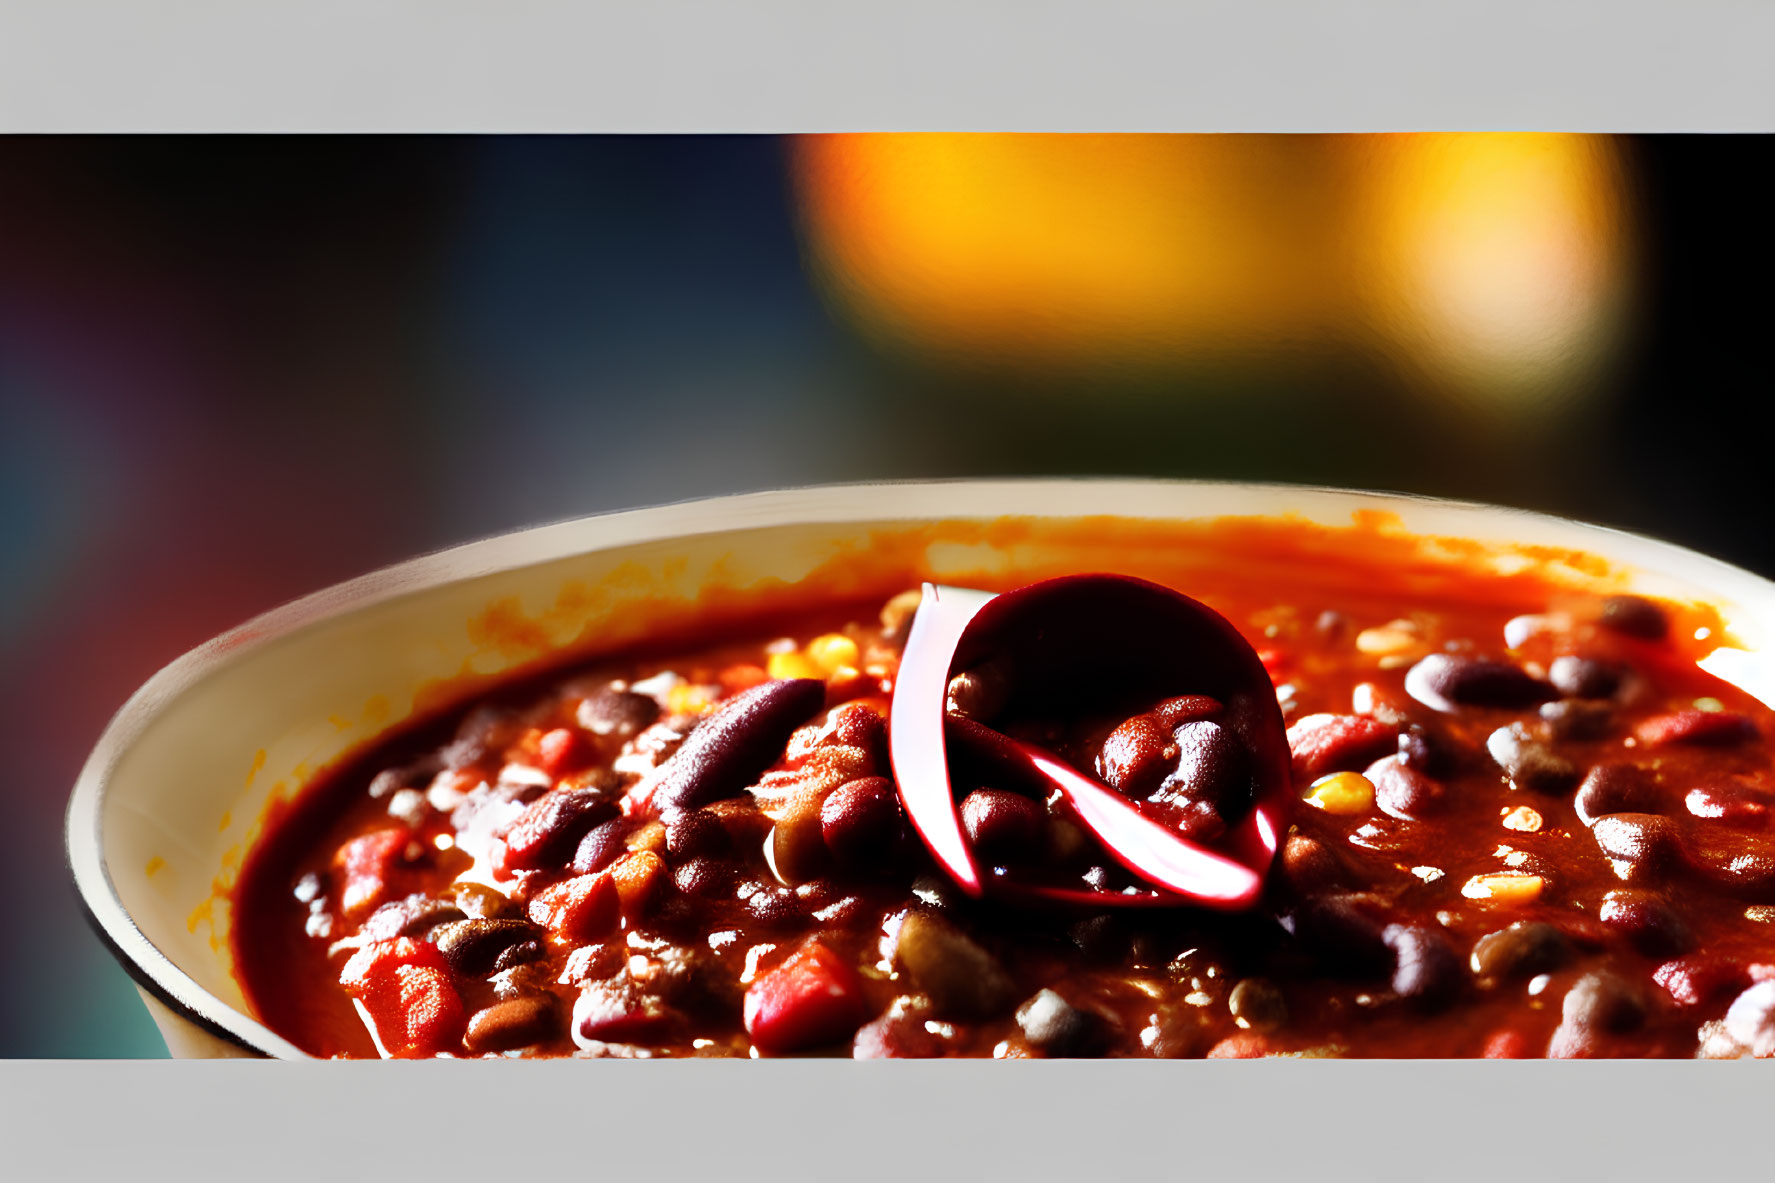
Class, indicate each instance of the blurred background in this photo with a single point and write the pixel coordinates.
(233, 371)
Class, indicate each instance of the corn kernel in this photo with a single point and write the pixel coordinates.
(792, 665)
(832, 651)
(1342, 792)
(1503, 888)
(690, 698)
(1522, 819)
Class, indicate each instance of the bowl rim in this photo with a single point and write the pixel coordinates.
(908, 500)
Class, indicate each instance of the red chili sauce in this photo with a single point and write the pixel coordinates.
(1528, 825)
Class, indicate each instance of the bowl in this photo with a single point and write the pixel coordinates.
(178, 786)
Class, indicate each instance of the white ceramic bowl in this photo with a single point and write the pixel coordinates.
(173, 793)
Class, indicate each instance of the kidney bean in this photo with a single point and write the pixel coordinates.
(1189, 708)
(1603, 1002)
(519, 1022)
(1320, 744)
(1751, 1019)
(482, 732)
(693, 833)
(581, 909)
(521, 953)
(776, 907)
(614, 1011)
(963, 980)
(1642, 845)
(701, 876)
(1634, 616)
(1211, 765)
(1137, 755)
(1584, 677)
(1737, 861)
(980, 693)
(692, 980)
(1733, 805)
(1344, 930)
(798, 844)
(1446, 682)
(602, 845)
(1427, 971)
(1697, 978)
(1258, 1005)
(1522, 950)
(1648, 920)
(1005, 829)
(530, 978)
(900, 1032)
(862, 821)
(1528, 763)
(546, 834)
(472, 946)
(1428, 752)
(1615, 788)
(1308, 867)
(410, 917)
(1705, 728)
(561, 751)
(1404, 792)
(813, 998)
(859, 726)
(731, 747)
(747, 825)
(619, 714)
(1060, 1030)
(1577, 719)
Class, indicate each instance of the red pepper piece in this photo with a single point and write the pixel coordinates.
(562, 751)
(813, 998)
(1320, 744)
(406, 988)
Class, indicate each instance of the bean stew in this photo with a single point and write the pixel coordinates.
(1525, 823)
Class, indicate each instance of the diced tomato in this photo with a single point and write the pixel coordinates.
(406, 988)
(1274, 661)
(584, 908)
(369, 867)
(562, 751)
(1338, 743)
(1507, 1044)
(813, 998)
(1712, 728)
(1245, 1045)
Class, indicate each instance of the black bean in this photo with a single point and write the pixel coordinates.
(1427, 971)
(1006, 829)
(693, 833)
(547, 833)
(1523, 950)
(1634, 617)
(410, 917)
(519, 1022)
(472, 947)
(1060, 1030)
(1648, 920)
(963, 980)
(1615, 788)
(1211, 765)
(1584, 677)
(1405, 792)
(1603, 1002)
(620, 714)
(1573, 718)
(703, 876)
(1447, 682)
(1529, 763)
(1751, 1020)
(730, 748)
(1642, 845)
(603, 844)
(1257, 1005)
(862, 821)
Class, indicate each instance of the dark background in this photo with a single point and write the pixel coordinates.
(235, 371)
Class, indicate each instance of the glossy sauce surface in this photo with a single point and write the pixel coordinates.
(1529, 825)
